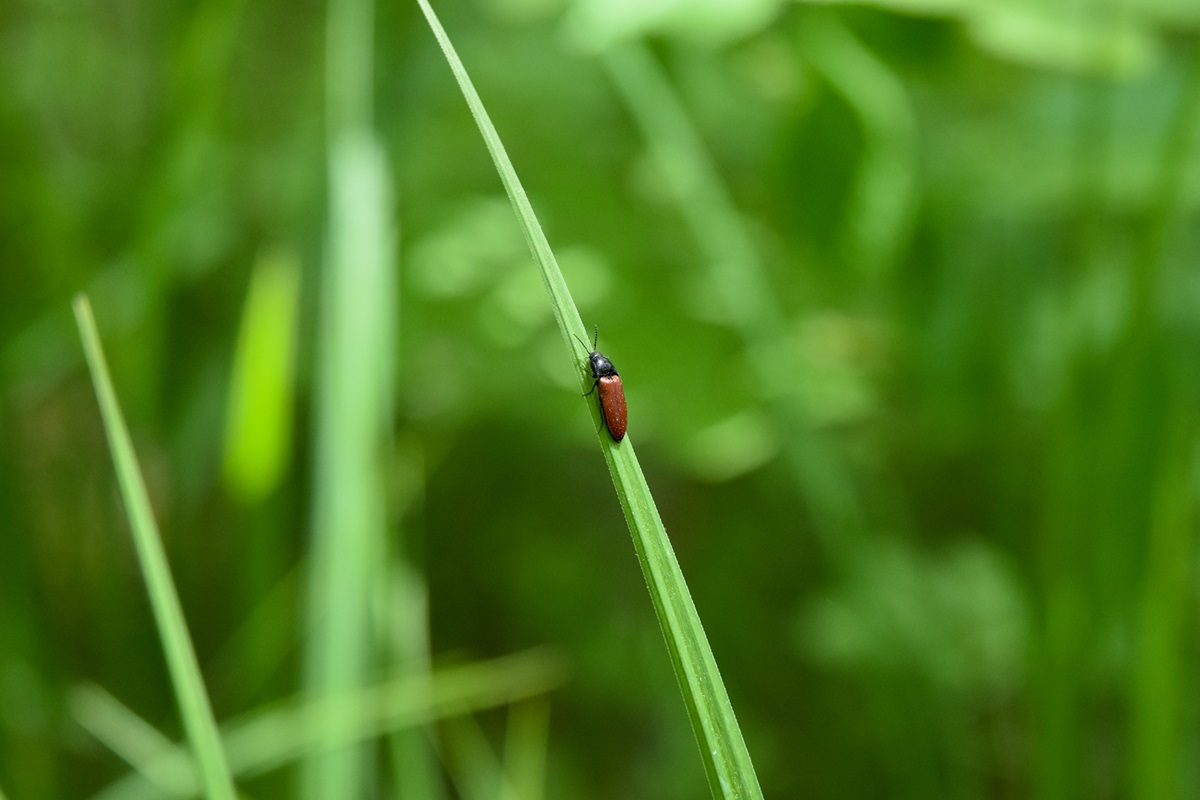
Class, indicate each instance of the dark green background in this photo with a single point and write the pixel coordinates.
(948, 552)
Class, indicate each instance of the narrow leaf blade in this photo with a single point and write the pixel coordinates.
(190, 693)
(723, 750)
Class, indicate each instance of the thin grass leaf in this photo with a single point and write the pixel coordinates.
(882, 207)
(401, 621)
(136, 741)
(353, 384)
(723, 750)
(472, 765)
(258, 432)
(189, 689)
(352, 431)
(526, 743)
(260, 645)
(271, 738)
(1157, 738)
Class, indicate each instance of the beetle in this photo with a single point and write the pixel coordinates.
(612, 395)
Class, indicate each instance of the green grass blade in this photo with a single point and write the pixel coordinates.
(258, 432)
(1156, 738)
(271, 738)
(353, 407)
(401, 621)
(137, 742)
(525, 748)
(353, 385)
(882, 206)
(722, 748)
(189, 689)
(474, 769)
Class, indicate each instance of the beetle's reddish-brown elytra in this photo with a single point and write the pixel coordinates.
(612, 394)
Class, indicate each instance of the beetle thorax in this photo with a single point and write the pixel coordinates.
(601, 366)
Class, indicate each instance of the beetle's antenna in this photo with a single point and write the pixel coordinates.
(596, 341)
(581, 341)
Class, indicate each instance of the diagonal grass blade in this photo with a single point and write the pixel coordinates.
(722, 748)
(189, 689)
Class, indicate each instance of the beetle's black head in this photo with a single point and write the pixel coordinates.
(601, 366)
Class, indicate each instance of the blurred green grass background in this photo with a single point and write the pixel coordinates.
(904, 296)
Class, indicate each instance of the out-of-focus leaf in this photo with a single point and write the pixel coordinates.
(1043, 37)
(958, 620)
(599, 24)
(477, 246)
(733, 446)
(258, 430)
(1050, 36)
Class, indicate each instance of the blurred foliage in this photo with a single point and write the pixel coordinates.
(905, 302)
